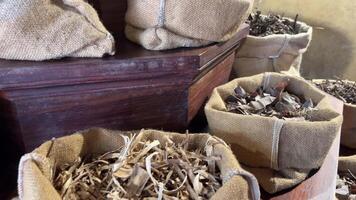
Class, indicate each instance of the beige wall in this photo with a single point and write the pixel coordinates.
(333, 48)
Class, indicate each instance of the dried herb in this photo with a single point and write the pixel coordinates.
(271, 24)
(150, 170)
(341, 89)
(346, 185)
(270, 102)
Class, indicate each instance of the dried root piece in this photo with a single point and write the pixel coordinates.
(148, 170)
(270, 102)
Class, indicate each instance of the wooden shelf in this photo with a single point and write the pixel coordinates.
(136, 88)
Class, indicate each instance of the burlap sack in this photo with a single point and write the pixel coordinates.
(273, 181)
(168, 24)
(270, 142)
(273, 53)
(347, 163)
(348, 129)
(35, 170)
(50, 29)
(348, 138)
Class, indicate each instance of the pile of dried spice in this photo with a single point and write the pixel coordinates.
(270, 102)
(147, 170)
(346, 186)
(341, 89)
(261, 25)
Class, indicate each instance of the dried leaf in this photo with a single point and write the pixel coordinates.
(270, 102)
(240, 92)
(262, 102)
(271, 24)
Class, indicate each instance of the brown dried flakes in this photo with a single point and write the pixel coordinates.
(270, 102)
(271, 24)
(150, 170)
(341, 89)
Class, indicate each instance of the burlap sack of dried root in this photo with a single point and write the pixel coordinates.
(37, 175)
(169, 24)
(289, 149)
(273, 53)
(46, 29)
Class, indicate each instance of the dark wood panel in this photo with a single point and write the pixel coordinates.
(44, 116)
(200, 91)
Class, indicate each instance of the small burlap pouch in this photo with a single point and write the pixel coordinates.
(36, 168)
(273, 53)
(50, 29)
(273, 143)
(168, 24)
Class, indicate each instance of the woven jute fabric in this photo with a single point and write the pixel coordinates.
(273, 181)
(36, 168)
(347, 163)
(348, 130)
(170, 24)
(271, 142)
(273, 53)
(348, 138)
(51, 29)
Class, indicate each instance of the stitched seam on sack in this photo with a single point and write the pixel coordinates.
(274, 58)
(266, 80)
(161, 14)
(277, 127)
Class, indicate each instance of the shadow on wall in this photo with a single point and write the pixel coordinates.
(329, 54)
